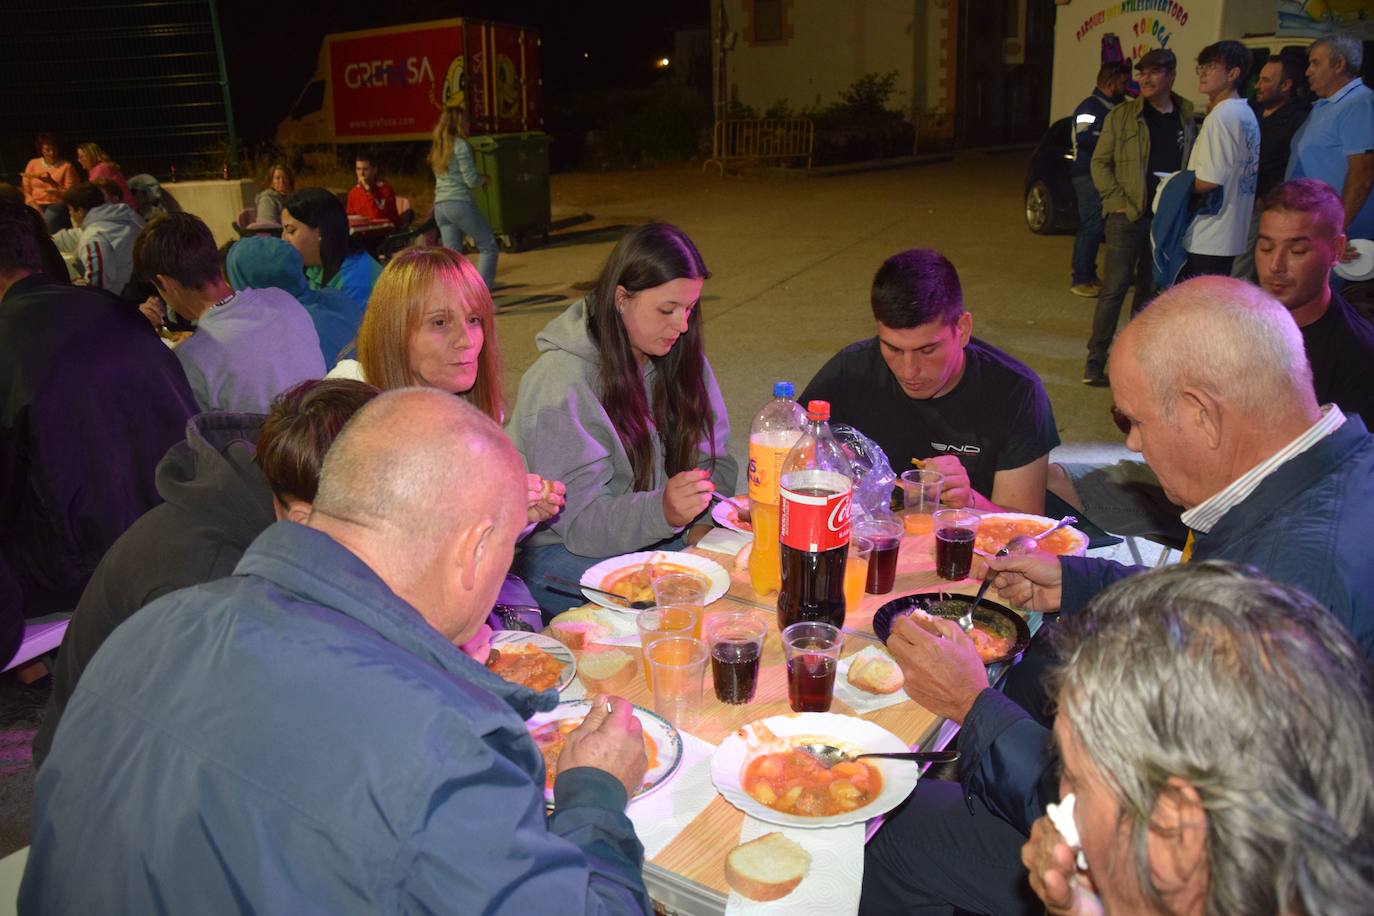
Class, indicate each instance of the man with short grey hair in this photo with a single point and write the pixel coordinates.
(1214, 386)
(1336, 144)
(1216, 390)
(306, 736)
(1160, 746)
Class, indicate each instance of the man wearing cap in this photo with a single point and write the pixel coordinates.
(1142, 138)
(1336, 145)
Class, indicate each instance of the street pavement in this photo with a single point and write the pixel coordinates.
(791, 261)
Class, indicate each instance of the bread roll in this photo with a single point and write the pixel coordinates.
(606, 670)
(875, 674)
(768, 868)
(579, 627)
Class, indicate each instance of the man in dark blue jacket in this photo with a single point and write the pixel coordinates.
(1216, 386)
(305, 735)
(1087, 126)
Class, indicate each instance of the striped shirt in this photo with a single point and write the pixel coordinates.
(1204, 516)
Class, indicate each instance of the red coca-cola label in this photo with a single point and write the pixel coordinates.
(815, 510)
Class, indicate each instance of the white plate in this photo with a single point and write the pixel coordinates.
(666, 739)
(1082, 538)
(503, 638)
(725, 513)
(846, 732)
(597, 575)
(1362, 268)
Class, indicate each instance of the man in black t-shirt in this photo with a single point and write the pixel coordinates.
(1301, 237)
(925, 388)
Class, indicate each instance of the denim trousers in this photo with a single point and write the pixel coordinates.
(457, 218)
(1089, 237)
(1126, 262)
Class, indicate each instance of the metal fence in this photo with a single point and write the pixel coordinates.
(760, 139)
(145, 80)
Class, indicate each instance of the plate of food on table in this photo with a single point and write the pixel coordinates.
(999, 633)
(997, 528)
(733, 512)
(762, 769)
(538, 662)
(632, 575)
(662, 742)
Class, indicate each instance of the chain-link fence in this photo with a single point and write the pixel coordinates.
(145, 80)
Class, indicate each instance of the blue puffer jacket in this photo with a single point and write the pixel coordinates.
(1307, 525)
(296, 739)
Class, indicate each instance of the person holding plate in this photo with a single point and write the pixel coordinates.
(622, 405)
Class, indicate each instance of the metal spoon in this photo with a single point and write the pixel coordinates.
(568, 583)
(828, 755)
(966, 619)
(1025, 543)
(1022, 543)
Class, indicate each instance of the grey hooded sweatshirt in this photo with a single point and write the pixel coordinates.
(104, 245)
(565, 434)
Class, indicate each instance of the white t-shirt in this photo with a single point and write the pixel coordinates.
(1227, 154)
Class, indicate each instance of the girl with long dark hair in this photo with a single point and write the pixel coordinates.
(622, 406)
(316, 225)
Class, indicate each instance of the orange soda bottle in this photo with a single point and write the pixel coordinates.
(776, 428)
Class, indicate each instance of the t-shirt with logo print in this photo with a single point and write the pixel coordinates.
(997, 418)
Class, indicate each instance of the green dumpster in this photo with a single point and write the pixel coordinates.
(515, 199)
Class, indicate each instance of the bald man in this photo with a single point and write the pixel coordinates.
(1215, 384)
(304, 736)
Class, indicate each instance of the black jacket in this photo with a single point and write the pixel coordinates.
(217, 502)
(90, 401)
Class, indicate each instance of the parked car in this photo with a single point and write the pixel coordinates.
(1050, 203)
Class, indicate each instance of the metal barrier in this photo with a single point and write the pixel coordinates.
(753, 139)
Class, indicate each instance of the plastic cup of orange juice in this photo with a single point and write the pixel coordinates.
(856, 572)
(679, 667)
(681, 590)
(920, 497)
(659, 622)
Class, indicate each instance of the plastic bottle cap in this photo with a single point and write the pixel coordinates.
(784, 390)
(818, 410)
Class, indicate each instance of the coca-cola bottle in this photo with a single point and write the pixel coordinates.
(815, 488)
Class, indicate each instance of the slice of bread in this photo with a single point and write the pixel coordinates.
(606, 670)
(768, 868)
(875, 674)
(579, 627)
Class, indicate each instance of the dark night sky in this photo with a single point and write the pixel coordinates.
(622, 38)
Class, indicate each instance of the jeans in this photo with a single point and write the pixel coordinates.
(1205, 265)
(933, 854)
(457, 218)
(1243, 268)
(1127, 261)
(535, 564)
(1089, 237)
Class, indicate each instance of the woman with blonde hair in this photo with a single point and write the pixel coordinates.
(430, 322)
(455, 177)
(99, 165)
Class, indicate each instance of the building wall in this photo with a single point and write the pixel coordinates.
(826, 46)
